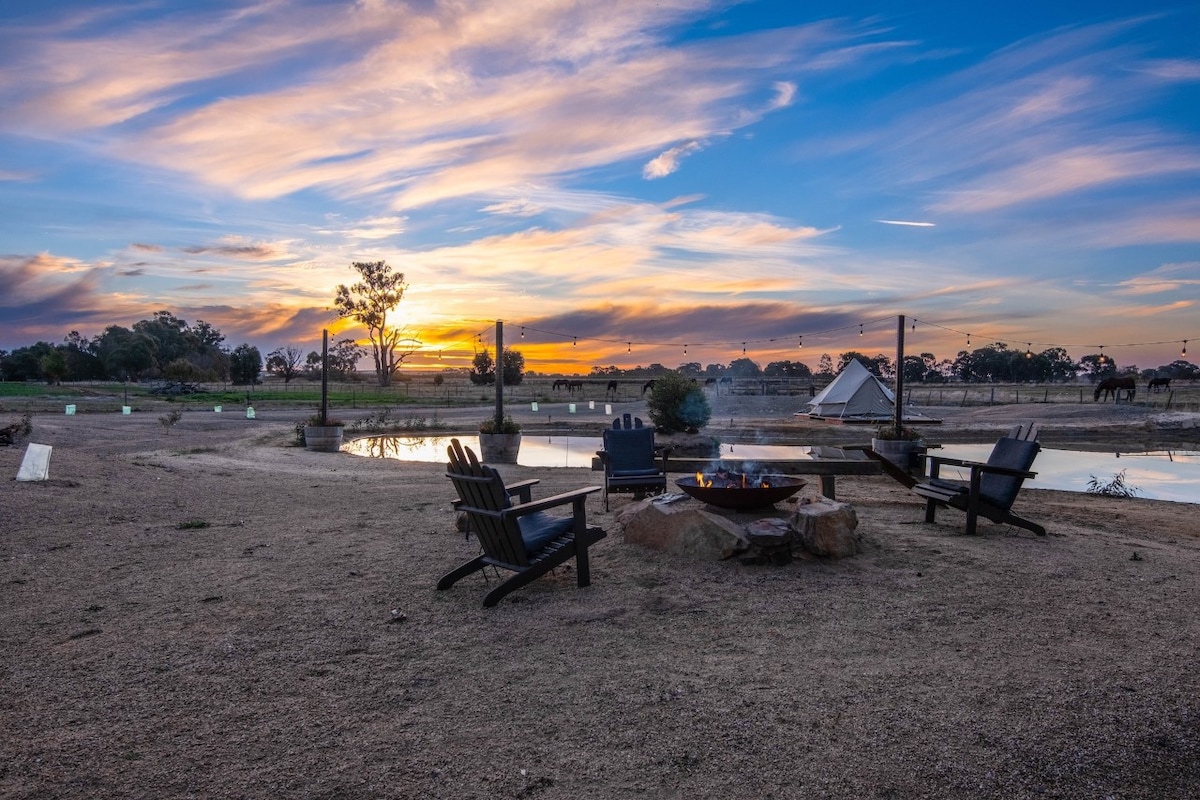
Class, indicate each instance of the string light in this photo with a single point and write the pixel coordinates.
(574, 341)
(1183, 353)
(1029, 350)
(743, 348)
(968, 340)
(522, 331)
(685, 349)
(914, 326)
(629, 347)
(1101, 354)
(860, 330)
(801, 343)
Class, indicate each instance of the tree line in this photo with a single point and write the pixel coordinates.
(165, 347)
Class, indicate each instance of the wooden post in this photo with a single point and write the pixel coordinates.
(898, 419)
(324, 374)
(499, 374)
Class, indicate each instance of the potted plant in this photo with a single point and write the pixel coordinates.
(499, 440)
(323, 433)
(898, 446)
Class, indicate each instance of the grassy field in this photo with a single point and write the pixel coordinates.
(457, 391)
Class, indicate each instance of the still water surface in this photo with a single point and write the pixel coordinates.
(1159, 475)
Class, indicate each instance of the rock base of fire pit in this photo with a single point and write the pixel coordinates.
(826, 527)
(819, 527)
(682, 529)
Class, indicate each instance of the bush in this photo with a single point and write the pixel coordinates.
(677, 404)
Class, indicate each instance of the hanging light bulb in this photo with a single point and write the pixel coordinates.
(574, 341)
(914, 326)
(1101, 354)
(522, 331)
(1028, 350)
(801, 344)
(860, 330)
(685, 349)
(743, 348)
(1183, 353)
(629, 347)
(968, 340)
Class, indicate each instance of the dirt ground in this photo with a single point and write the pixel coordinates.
(211, 612)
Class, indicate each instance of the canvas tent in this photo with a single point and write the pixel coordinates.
(854, 396)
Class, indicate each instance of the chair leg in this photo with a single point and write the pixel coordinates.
(582, 570)
(452, 577)
(930, 510)
(1013, 519)
(522, 578)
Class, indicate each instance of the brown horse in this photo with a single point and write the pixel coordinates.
(1115, 386)
(1158, 384)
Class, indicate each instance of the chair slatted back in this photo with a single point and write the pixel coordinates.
(484, 499)
(629, 449)
(1001, 490)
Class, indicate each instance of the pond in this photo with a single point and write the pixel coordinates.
(1158, 475)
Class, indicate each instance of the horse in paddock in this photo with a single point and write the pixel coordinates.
(647, 386)
(612, 389)
(1114, 387)
(1158, 384)
(561, 384)
(573, 385)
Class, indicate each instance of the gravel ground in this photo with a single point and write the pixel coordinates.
(211, 612)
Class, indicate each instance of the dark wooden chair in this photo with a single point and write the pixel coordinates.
(992, 486)
(518, 537)
(631, 461)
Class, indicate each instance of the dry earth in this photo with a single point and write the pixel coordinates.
(211, 612)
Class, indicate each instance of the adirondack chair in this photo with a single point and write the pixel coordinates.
(518, 537)
(993, 485)
(629, 459)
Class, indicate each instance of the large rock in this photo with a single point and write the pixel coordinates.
(826, 527)
(682, 529)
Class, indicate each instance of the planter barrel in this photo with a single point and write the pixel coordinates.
(324, 438)
(499, 448)
(901, 452)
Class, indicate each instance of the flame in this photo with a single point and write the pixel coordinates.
(703, 481)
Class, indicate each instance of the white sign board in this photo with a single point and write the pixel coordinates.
(36, 464)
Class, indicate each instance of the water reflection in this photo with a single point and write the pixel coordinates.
(1160, 475)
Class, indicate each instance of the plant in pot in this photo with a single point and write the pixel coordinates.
(323, 433)
(898, 446)
(499, 440)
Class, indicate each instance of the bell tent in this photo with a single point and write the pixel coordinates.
(855, 395)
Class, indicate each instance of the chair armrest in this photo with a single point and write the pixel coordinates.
(1016, 473)
(550, 502)
(522, 489)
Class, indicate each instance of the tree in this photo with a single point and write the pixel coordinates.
(787, 369)
(483, 368)
(825, 366)
(744, 368)
(369, 302)
(245, 362)
(1097, 366)
(285, 362)
(676, 404)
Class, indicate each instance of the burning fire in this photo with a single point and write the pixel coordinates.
(730, 480)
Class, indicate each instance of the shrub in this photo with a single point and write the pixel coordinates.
(1117, 487)
(677, 404)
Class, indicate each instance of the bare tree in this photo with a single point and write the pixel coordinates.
(369, 302)
(285, 362)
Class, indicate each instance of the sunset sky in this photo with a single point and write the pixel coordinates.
(625, 179)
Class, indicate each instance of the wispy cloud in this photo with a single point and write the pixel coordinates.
(906, 223)
(667, 161)
(421, 102)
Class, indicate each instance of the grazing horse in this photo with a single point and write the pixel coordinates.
(1115, 386)
(647, 386)
(1158, 384)
(573, 385)
(561, 384)
(612, 388)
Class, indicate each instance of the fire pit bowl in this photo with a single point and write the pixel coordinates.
(739, 492)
